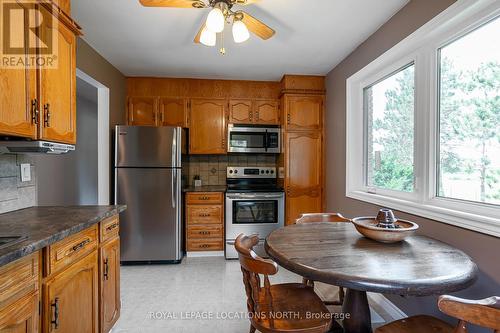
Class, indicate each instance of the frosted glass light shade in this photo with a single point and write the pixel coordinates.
(215, 20)
(208, 37)
(240, 32)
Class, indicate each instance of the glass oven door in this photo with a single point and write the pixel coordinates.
(255, 212)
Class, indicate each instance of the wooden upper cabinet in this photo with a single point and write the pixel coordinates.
(304, 173)
(303, 112)
(142, 111)
(110, 284)
(71, 298)
(267, 112)
(240, 111)
(207, 128)
(17, 95)
(173, 112)
(58, 87)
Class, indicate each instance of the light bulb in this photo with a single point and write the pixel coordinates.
(215, 20)
(240, 32)
(208, 37)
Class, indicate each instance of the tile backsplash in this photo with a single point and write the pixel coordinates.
(212, 168)
(15, 194)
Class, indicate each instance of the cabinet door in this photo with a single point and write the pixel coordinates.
(304, 112)
(173, 112)
(267, 112)
(142, 111)
(207, 128)
(304, 173)
(71, 298)
(58, 87)
(109, 268)
(17, 94)
(240, 111)
(20, 316)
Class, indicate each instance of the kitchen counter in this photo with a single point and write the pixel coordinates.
(43, 226)
(206, 188)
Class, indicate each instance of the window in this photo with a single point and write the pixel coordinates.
(423, 121)
(389, 109)
(469, 117)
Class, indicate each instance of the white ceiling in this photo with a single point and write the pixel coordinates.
(313, 36)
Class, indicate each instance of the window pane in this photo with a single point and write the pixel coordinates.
(389, 115)
(469, 152)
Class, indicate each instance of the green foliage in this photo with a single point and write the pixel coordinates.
(394, 175)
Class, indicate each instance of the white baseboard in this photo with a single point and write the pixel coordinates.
(391, 309)
(200, 254)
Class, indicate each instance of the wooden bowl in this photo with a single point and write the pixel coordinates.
(367, 226)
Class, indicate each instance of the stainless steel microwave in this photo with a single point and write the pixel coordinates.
(253, 139)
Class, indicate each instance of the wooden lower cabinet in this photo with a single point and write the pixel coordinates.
(21, 316)
(109, 284)
(302, 201)
(205, 221)
(70, 298)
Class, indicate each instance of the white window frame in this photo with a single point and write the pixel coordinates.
(421, 48)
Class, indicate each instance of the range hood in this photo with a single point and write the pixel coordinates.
(34, 147)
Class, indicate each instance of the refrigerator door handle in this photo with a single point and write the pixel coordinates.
(174, 148)
(174, 188)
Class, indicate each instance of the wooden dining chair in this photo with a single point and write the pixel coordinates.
(484, 313)
(279, 308)
(324, 217)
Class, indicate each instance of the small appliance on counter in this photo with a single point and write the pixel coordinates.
(255, 204)
(253, 139)
(148, 177)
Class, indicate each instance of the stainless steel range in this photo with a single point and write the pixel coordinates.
(255, 204)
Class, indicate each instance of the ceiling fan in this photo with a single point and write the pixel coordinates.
(221, 13)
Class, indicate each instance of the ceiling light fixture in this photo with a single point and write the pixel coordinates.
(240, 32)
(208, 37)
(221, 13)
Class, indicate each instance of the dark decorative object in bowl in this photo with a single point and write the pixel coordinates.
(385, 227)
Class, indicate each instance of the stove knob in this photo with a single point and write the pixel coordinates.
(272, 172)
(267, 171)
(235, 171)
(230, 171)
(261, 171)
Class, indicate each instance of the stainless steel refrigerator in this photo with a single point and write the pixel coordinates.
(148, 179)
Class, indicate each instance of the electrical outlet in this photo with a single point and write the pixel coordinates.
(25, 172)
(281, 172)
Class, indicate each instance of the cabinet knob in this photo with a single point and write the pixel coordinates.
(288, 119)
(106, 269)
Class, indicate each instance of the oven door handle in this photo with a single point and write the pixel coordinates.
(253, 196)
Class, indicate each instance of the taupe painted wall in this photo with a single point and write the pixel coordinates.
(482, 248)
(93, 64)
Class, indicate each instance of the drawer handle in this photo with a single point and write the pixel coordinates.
(204, 232)
(204, 215)
(204, 198)
(55, 306)
(106, 269)
(111, 227)
(204, 246)
(80, 245)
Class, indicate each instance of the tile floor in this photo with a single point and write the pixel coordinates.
(160, 298)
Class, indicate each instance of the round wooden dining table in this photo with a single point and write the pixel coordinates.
(336, 254)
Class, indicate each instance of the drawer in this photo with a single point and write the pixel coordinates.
(19, 278)
(70, 249)
(109, 228)
(203, 198)
(205, 231)
(205, 245)
(205, 214)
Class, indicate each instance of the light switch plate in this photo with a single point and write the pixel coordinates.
(25, 172)
(281, 172)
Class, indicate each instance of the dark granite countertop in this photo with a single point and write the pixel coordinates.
(206, 188)
(43, 226)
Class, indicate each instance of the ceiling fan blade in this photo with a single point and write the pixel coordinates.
(198, 35)
(246, 2)
(257, 27)
(173, 3)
